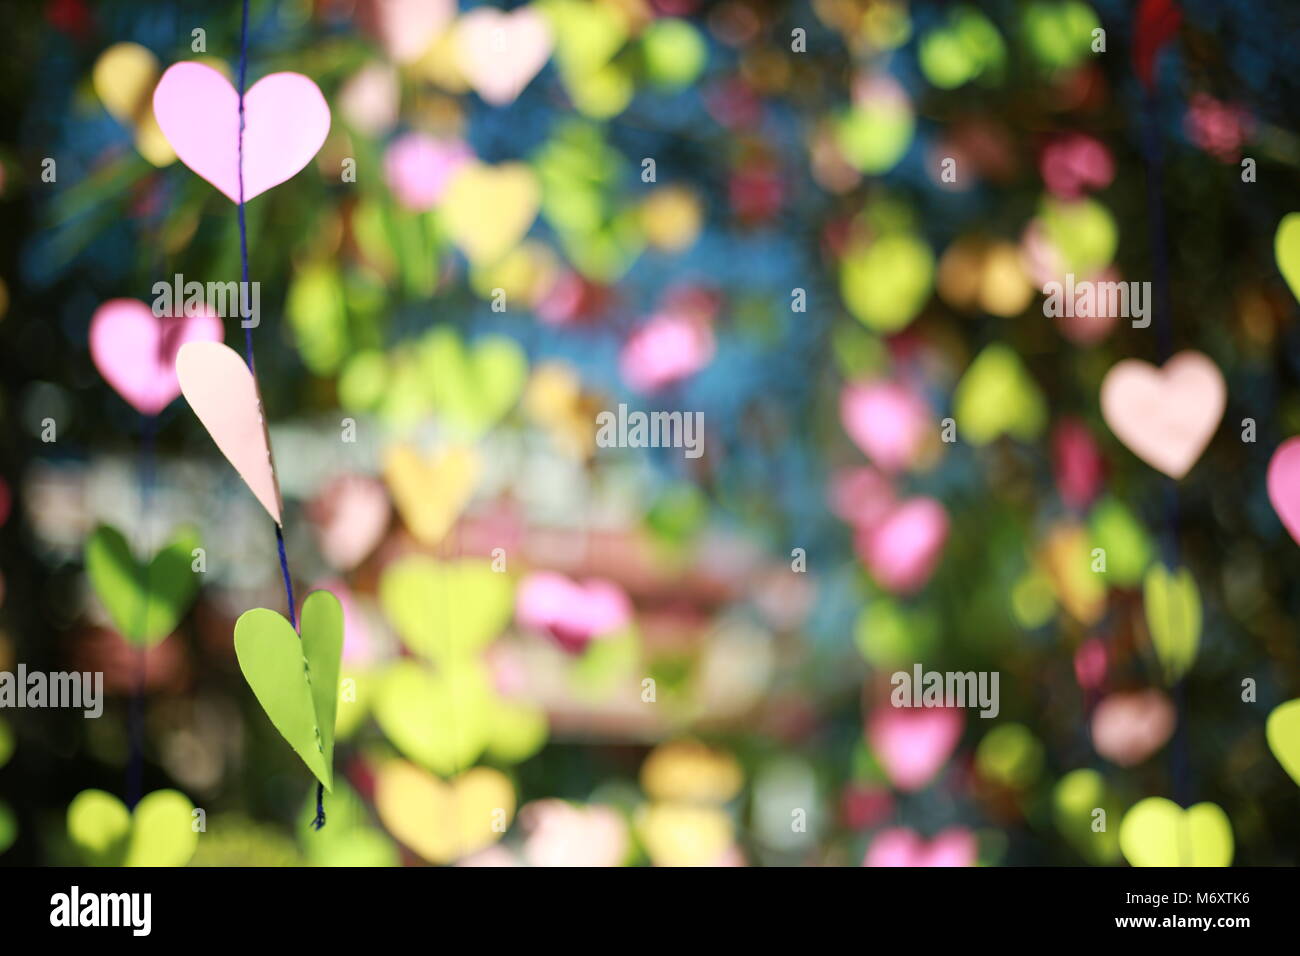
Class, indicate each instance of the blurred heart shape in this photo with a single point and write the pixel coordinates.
(223, 394)
(572, 613)
(472, 386)
(1128, 727)
(1283, 734)
(1286, 249)
(285, 122)
(488, 209)
(901, 846)
(1158, 832)
(418, 168)
(440, 720)
(135, 350)
(443, 821)
(997, 396)
(145, 602)
(1166, 416)
(902, 549)
(159, 832)
(430, 493)
(407, 28)
(913, 743)
(1172, 604)
(1284, 485)
(124, 78)
(445, 610)
(350, 515)
(500, 53)
(560, 833)
(296, 680)
(888, 421)
(665, 350)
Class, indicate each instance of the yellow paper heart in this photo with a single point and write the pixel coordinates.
(124, 78)
(488, 209)
(1158, 832)
(444, 821)
(431, 493)
(682, 834)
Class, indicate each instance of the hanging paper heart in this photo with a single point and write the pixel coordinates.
(668, 348)
(1173, 611)
(574, 614)
(1283, 733)
(913, 743)
(1166, 416)
(900, 846)
(1128, 727)
(1075, 800)
(124, 76)
(445, 610)
(286, 120)
(998, 396)
(1284, 485)
(431, 493)
(159, 833)
(407, 28)
(886, 283)
(472, 386)
(297, 680)
(144, 602)
(888, 421)
(135, 350)
(685, 834)
(1286, 249)
(443, 821)
(488, 209)
(1158, 832)
(499, 53)
(224, 396)
(350, 515)
(902, 549)
(565, 834)
(442, 720)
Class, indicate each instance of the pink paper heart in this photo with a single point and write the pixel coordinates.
(1127, 728)
(1284, 485)
(1165, 416)
(666, 349)
(135, 350)
(902, 549)
(286, 120)
(224, 396)
(900, 846)
(1077, 462)
(350, 515)
(886, 420)
(419, 167)
(861, 496)
(407, 27)
(913, 743)
(499, 53)
(574, 614)
(562, 834)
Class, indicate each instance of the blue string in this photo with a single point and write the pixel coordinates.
(248, 349)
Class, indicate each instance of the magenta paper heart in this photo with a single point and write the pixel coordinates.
(900, 846)
(1284, 485)
(1077, 461)
(886, 420)
(223, 394)
(286, 121)
(1165, 416)
(666, 349)
(419, 167)
(861, 496)
(350, 515)
(913, 743)
(1127, 728)
(902, 549)
(135, 350)
(572, 613)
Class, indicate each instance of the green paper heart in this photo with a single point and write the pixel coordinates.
(1158, 832)
(1084, 233)
(159, 833)
(145, 604)
(997, 396)
(472, 388)
(297, 681)
(1173, 610)
(442, 721)
(8, 827)
(1283, 733)
(1011, 755)
(445, 610)
(518, 731)
(884, 284)
(1286, 248)
(1075, 798)
(1126, 543)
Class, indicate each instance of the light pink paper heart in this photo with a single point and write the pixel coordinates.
(666, 349)
(135, 350)
(1127, 728)
(886, 420)
(499, 53)
(1165, 416)
(1284, 485)
(913, 743)
(900, 846)
(562, 834)
(902, 549)
(407, 27)
(286, 120)
(350, 515)
(418, 168)
(223, 394)
(574, 614)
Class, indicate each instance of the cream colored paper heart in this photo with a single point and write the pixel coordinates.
(222, 392)
(1166, 416)
(500, 53)
(488, 209)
